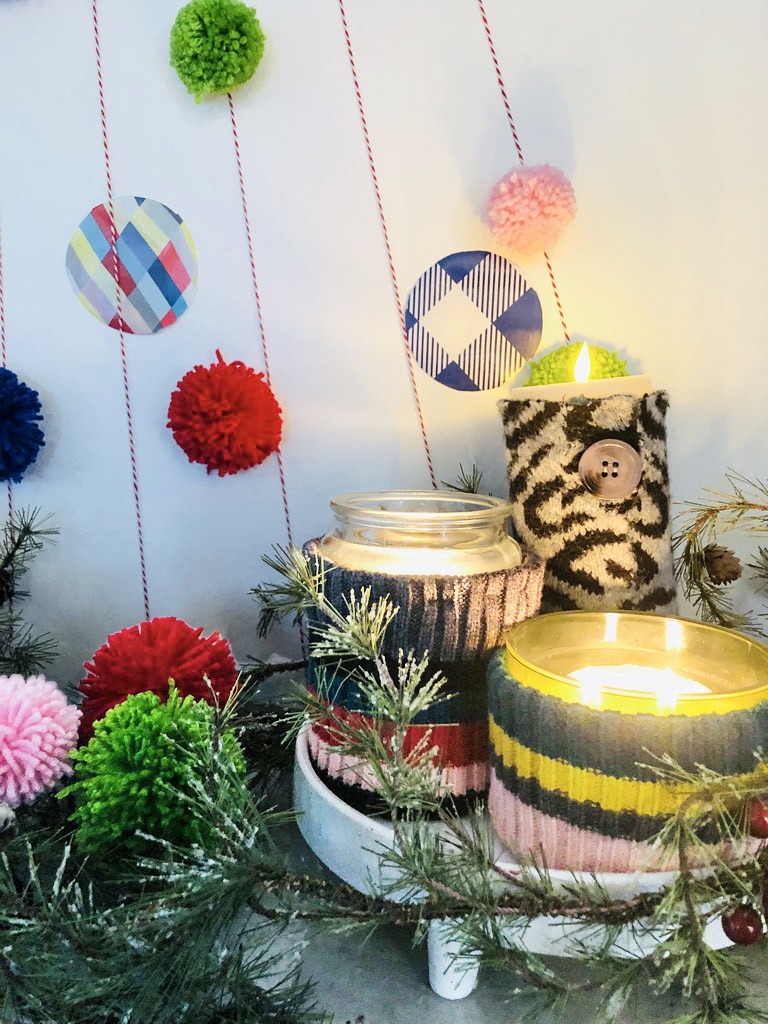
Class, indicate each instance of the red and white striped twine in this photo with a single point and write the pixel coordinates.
(385, 232)
(3, 357)
(519, 148)
(120, 323)
(259, 314)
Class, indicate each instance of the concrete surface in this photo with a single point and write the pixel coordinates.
(383, 979)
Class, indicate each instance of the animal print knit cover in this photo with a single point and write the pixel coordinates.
(601, 554)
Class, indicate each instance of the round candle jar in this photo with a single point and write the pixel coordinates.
(580, 702)
(458, 580)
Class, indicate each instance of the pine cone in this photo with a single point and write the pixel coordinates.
(722, 564)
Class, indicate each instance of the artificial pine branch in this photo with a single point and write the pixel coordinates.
(21, 650)
(170, 942)
(743, 506)
(298, 588)
(760, 568)
(467, 481)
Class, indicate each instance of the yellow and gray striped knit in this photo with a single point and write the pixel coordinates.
(569, 783)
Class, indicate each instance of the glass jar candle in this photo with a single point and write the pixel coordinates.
(582, 704)
(458, 579)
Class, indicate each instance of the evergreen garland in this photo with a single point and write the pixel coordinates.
(193, 933)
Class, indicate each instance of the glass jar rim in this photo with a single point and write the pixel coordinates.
(380, 507)
(529, 672)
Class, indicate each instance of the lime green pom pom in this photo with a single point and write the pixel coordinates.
(215, 45)
(558, 366)
(138, 773)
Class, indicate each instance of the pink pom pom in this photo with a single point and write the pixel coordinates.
(38, 729)
(529, 208)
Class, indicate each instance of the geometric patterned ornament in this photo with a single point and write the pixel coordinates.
(472, 321)
(156, 265)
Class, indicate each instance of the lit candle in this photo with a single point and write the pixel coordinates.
(445, 561)
(638, 680)
(641, 680)
(582, 387)
(583, 704)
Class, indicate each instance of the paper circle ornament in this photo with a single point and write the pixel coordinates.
(472, 320)
(156, 269)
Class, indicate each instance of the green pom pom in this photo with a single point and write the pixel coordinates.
(215, 45)
(139, 770)
(558, 366)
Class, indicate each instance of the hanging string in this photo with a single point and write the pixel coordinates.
(3, 356)
(257, 296)
(519, 148)
(385, 232)
(120, 322)
(3, 353)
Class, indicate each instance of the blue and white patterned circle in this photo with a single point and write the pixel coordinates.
(472, 321)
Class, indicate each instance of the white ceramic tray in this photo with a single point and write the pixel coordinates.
(351, 843)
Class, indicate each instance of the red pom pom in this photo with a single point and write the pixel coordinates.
(145, 657)
(225, 416)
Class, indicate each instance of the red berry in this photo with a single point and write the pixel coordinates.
(758, 819)
(743, 925)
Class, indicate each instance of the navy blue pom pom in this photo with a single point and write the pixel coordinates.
(20, 437)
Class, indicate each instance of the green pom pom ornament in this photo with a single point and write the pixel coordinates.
(558, 367)
(138, 772)
(215, 45)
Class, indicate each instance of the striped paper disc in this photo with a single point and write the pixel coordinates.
(472, 321)
(156, 265)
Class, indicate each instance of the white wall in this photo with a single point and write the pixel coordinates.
(656, 111)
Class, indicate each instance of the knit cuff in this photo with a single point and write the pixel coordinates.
(454, 618)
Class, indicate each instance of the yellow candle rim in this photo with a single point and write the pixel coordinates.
(551, 684)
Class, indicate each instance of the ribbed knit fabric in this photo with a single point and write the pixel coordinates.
(602, 554)
(459, 620)
(455, 618)
(544, 838)
(569, 784)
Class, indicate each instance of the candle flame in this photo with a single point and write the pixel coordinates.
(662, 684)
(582, 368)
(673, 635)
(591, 694)
(667, 692)
(611, 624)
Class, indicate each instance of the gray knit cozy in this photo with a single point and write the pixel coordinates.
(454, 618)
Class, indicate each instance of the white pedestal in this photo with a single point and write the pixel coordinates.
(350, 844)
